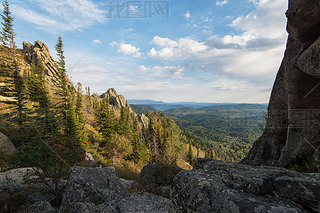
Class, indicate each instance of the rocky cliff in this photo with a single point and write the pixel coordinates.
(291, 138)
(40, 52)
(114, 99)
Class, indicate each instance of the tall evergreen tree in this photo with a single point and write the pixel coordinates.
(38, 92)
(125, 123)
(189, 154)
(81, 131)
(105, 119)
(8, 39)
(7, 34)
(62, 91)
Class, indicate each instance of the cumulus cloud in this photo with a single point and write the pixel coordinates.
(174, 50)
(61, 15)
(127, 49)
(253, 55)
(267, 20)
(221, 3)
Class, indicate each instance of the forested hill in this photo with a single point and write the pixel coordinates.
(229, 130)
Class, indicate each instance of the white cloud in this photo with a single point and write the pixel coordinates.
(127, 49)
(174, 50)
(187, 15)
(221, 3)
(165, 71)
(267, 20)
(254, 55)
(96, 41)
(60, 15)
(164, 42)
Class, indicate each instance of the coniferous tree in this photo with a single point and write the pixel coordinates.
(105, 120)
(7, 34)
(62, 91)
(81, 131)
(125, 122)
(189, 155)
(18, 91)
(38, 92)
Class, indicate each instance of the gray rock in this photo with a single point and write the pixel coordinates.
(78, 207)
(116, 100)
(6, 145)
(292, 133)
(41, 207)
(217, 186)
(40, 51)
(137, 202)
(159, 174)
(126, 183)
(14, 179)
(92, 185)
(89, 157)
(144, 120)
(309, 60)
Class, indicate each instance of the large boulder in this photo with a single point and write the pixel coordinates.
(292, 134)
(92, 185)
(6, 145)
(137, 202)
(13, 182)
(216, 186)
(158, 174)
(41, 207)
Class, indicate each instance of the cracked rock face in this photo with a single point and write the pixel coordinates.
(40, 52)
(292, 134)
(216, 186)
(116, 100)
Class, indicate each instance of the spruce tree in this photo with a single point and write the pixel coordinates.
(105, 119)
(7, 34)
(81, 131)
(18, 91)
(189, 155)
(38, 92)
(62, 91)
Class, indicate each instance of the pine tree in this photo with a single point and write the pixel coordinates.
(125, 123)
(189, 155)
(105, 120)
(81, 131)
(38, 92)
(18, 91)
(62, 91)
(7, 34)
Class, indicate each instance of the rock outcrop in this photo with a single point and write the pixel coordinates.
(116, 100)
(92, 185)
(144, 120)
(292, 134)
(158, 174)
(101, 190)
(6, 146)
(40, 52)
(216, 186)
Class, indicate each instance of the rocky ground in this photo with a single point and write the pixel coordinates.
(212, 186)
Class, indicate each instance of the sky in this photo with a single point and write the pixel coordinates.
(166, 50)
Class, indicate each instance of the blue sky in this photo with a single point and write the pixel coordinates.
(178, 50)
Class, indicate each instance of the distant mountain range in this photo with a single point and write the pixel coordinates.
(160, 105)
